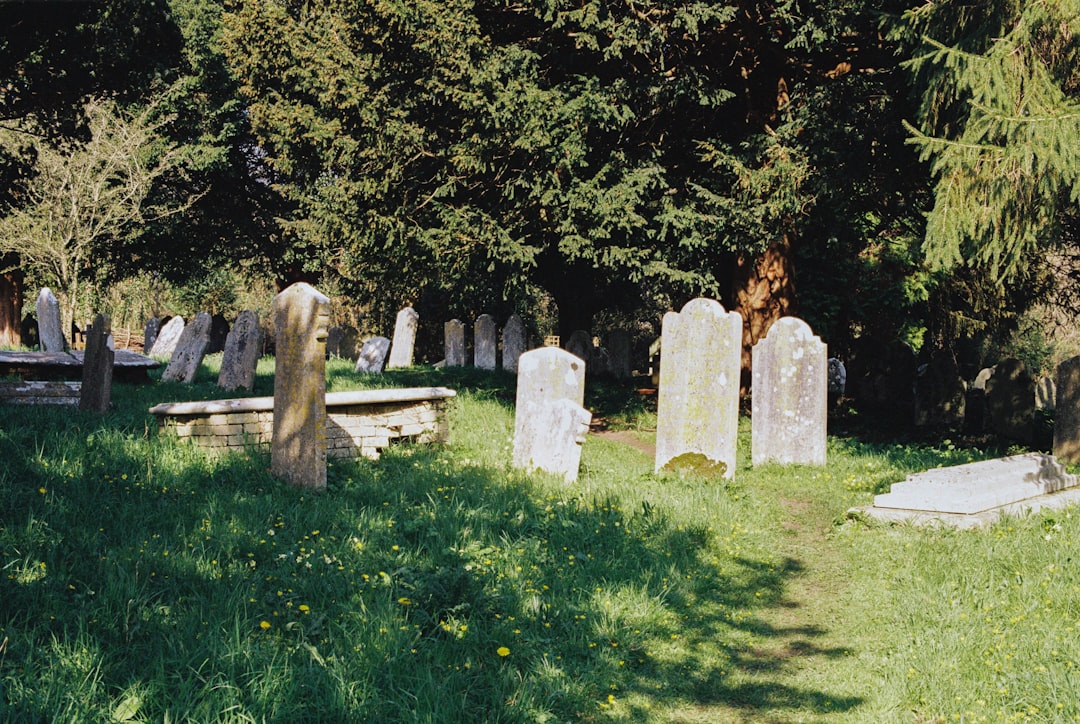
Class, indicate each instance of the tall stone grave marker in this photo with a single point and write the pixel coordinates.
(698, 407)
(1010, 401)
(372, 356)
(1067, 414)
(298, 449)
(513, 341)
(549, 420)
(167, 338)
(50, 331)
(150, 333)
(241, 355)
(190, 350)
(454, 343)
(485, 342)
(579, 344)
(790, 397)
(97, 372)
(401, 351)
(619, 353)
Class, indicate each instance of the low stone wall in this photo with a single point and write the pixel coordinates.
(40, 392)
(359, 423)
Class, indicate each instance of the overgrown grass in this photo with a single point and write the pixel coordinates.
(141, 579)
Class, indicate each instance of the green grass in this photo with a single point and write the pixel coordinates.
(142, 580)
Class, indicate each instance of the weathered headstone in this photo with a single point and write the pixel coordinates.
(401, 351)
(837, 378)
(698, 406)
(454, 343)
(334, 337)
(940, 396)
(1010, 401)
(150, 333)
(372, 356)
(298, 450)
(580, 344)
(219, 332)
(349, 339)
(485, 342)
(241, 354)
(190, 350)
(97, 372)
(549, 420)
(1045, 394)
(1067, 414)
(619, 353)
(513, 342)
(50, 331)
(789, 403)
(167, 338)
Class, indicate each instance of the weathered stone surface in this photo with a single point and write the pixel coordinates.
(485, 342)
(789, 403)
(454, 343)
(619, 354)
(1045, 394)
(190, 350)
(837, 378)
(549, 420)
(698, 405)
(940, 396)
(50, 330)
(97, 372)
(513, 342)
(401, 351)
(150, 333)
(241, 354)
(1067, 414)
(372, 356)
(1010, 401)
(298, 450)
(580, 344)
(167, 338)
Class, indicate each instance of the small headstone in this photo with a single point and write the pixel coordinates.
(837, 378)
(580, 344)
(1045, 394)
(372, 356)
(298, 450)
(401, 351)
(485, 342)
(789, 403)
(698, 406)
(167, 338)
(97, 372)
(1010, 401)
(1067, 414)
(334, 336)
(150, 333)
(549, 420)
(513, 342)
(454, 343)
(619, 352)
(219, 332)
(190, 350)
(50, 331)
(940, 396)
(349, 339)
(241, 354)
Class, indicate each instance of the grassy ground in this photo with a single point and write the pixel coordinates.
(141, 580)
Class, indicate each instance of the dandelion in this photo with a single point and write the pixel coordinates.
(304, 608)
(502, 651)
(41, 490)
(264, 625)
(404, 601)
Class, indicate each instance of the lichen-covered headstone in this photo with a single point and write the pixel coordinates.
(698, 399)
(789, 404)
(241, 354)
(1010, 401)
(837, 378)
(298, 450)
(580, 344)
(150, 333)
(1067, 413)
(97, 372)
(513, 342)
(167, 338)
(401, 351)
(549, 420)
(454, 343)
(372, 356)
(50, 330)
(619, 351)
(190, 350)
(485, 342)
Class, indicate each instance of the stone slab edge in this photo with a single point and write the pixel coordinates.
(965, 521)
(257, 404)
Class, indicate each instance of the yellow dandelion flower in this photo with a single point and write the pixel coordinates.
(264, 625)
(304, 608)
(502, 651)
(404, 601)
(41, 490)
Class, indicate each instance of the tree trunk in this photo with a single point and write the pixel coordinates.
(11, 301)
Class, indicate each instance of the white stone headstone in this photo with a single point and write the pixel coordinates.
(50, 330)
(485, 342)
(549, 420)
(168, 336)
(401, 350)
(454, 343)
(372, 356)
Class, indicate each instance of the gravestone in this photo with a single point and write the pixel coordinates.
(513, 341)
(334, 337)
(97, 371)
(372, 356)
(454, 343)
(50, 331)
(241, 354)
(1045, 394)
(485, 342)
(549, 420)
(698, 407)
(579, 344)
(190, 350)
(298, 449)
(619, 353)
(940, 395)
(1067, 414)
(167, 338)
(1010, 401)
(789, 403)
(401, 350)
(982, 378)
(219, 332)
(150, 333)
(349, 339)
(837, 378)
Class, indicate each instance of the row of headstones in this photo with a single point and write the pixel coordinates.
(187, 344)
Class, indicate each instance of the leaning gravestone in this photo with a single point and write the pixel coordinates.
(789, 403)
(241, 354)
(372, 356)
(1067, 414)
(1010, 401)
(940, 395)
(513, 341)
(97, 372)
(619, 351)
(579, 344)
(298, 449)
(150, 333)
(454, 343)
(50, 331)
(167, 338)
(698, 407)
(485, 342)
(549, 420)
(190, 350)
(401, 351)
